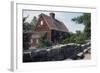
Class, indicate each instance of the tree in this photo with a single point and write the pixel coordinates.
(70, 38)
(24, 19)
(80, 37)
(25, 24)
(25, 35)
(33, 23)
(86, 20)
(29, 26)
(43, 41)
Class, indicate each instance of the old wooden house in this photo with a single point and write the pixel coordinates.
(54, 29)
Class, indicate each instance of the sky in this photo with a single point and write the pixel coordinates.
(65, 17)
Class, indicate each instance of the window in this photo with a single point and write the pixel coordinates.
(41, 22)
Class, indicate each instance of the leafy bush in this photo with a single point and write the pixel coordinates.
(76, 38)
(44, 42)
(26, 40)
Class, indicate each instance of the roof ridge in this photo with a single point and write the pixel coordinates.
(54, 24)
(46, 21)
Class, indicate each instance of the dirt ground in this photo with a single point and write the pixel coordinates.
(87, 56)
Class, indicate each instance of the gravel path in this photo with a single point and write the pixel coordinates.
(87, 56)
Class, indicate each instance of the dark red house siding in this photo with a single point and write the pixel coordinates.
(52, 27)
(34, 42)
(43, 28)
(40, 27)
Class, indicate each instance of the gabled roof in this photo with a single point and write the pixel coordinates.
(53, 23)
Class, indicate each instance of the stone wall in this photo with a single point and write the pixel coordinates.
(69, 51)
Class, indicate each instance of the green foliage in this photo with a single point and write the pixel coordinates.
(78, 37)
(44, 42)
(33, 23)
(26, 28)
(29, 26)
(24, 19)
(25, 24)
(26, 37)
(86, 20)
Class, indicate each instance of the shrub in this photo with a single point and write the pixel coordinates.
(78, 38)
(44, 42)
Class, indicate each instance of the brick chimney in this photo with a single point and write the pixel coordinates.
(52, 15)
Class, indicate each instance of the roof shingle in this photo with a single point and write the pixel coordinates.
(54, 24)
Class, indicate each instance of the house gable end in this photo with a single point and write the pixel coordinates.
(41, 25)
